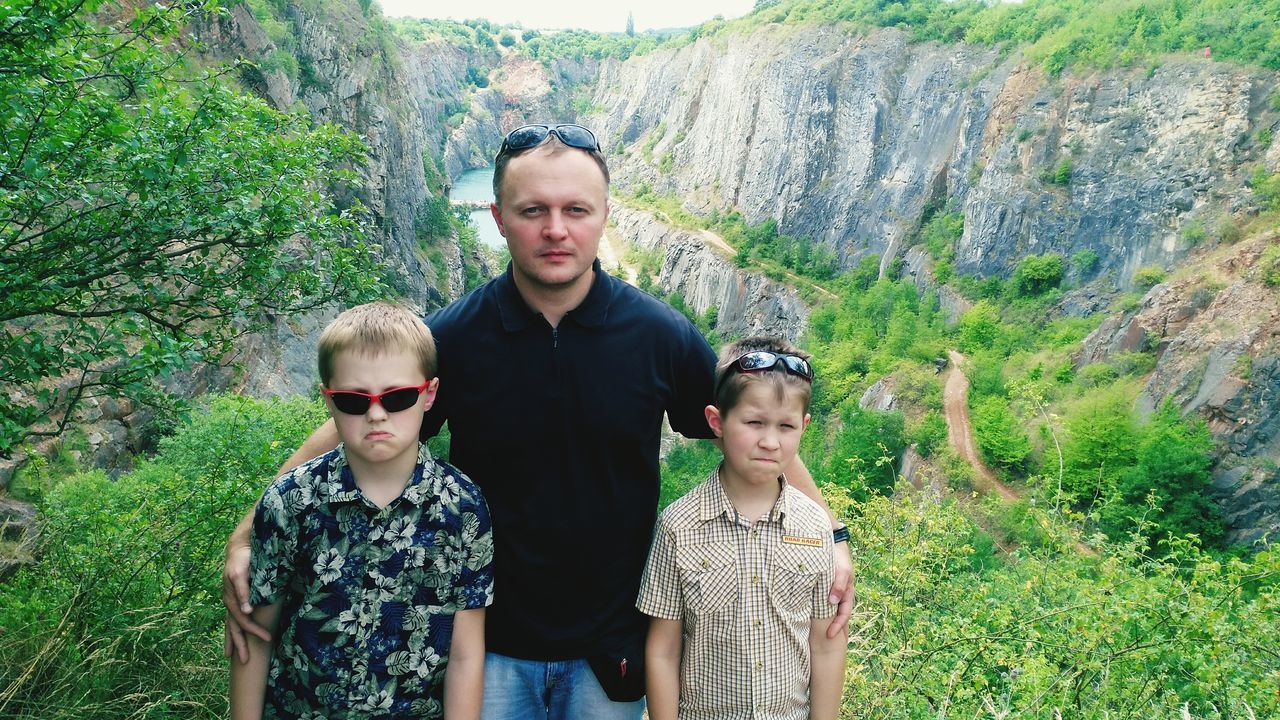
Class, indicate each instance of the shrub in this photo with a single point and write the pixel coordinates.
(1269, 266)
(122, 613)
(1037, 274)
(1084, 261)
(1193, 233)
(1000, 434)
(1148, 276)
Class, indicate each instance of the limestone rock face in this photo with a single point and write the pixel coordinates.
(847, 138)
(747, 303)
(1216, 334)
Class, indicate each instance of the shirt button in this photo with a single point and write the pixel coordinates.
(757, 623)
(801, 567)
(755, 579)
(759, 666)
(705, 564)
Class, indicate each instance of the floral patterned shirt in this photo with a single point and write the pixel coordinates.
(367, 594)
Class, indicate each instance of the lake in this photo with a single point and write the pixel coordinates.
(478, 185)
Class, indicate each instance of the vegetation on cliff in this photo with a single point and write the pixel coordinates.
(1058, 33)
(149, 212)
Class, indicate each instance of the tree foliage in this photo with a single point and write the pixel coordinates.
(149, 213)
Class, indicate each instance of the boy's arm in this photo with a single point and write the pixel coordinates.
(826, 672)
(662, 668)
(249, 676)
(798, 476)
(235, 570)
(464, 678)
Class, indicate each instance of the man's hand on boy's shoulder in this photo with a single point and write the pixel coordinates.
(842, 591)
(235, 596)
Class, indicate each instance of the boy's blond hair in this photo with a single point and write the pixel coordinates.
(374, 328)
(730, 383)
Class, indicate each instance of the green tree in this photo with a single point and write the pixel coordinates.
(148, 214)
(1164, 494)
(1037, 274)
(1000, 433)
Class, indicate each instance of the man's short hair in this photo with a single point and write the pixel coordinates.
(730, 383)
(553, 145)
(375, 328)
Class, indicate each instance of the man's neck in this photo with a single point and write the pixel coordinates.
(554, 303)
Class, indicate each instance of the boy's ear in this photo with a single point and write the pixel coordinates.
(429, 395)
(806, 421)
(714, 420)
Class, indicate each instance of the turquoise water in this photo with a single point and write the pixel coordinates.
(478, 185)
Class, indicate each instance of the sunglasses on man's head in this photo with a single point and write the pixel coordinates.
(351, 402)
(528, 136)
(760, 360)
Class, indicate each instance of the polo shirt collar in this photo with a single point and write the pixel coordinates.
(419, 489)
(714, 503)
(517, 315)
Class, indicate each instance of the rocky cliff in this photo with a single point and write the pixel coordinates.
(847, 138)
(1215, 329)
(747, 303)
(851, 139)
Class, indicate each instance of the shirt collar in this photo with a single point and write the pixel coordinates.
(517, 315)
(421, 487)
(714, 503)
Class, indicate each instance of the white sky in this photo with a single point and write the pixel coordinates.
(599, 15)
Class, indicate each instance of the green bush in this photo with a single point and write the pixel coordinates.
(1084, 261)
(1148, 276)
(1000, 434)
(1037, 274)
(122, 615)
(1269, 265)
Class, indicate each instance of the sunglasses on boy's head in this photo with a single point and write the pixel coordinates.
(527, 136)
(764, 360)
(351, 402)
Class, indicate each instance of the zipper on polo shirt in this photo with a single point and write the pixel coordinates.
(555, 338)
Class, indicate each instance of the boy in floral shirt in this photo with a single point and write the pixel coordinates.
(371, 564)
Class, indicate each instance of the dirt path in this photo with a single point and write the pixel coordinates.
(717, 242)
(955, 396)
(611, 254)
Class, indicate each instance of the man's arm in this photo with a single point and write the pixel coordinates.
(842, 591)
(826, 672)
(235, 570)
(662, 668)
(464, 678)
(249, 676)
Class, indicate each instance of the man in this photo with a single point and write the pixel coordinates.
(554, 378)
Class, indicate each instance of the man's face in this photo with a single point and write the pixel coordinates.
(554, 206)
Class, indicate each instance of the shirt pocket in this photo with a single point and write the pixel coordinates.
(797, 570)
(708, 577)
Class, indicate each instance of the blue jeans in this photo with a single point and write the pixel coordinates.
(516, 689)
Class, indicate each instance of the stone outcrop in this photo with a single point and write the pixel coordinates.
(1216, 335)
(846, 138)
(748, 303)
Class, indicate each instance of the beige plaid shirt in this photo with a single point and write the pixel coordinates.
(746, 593)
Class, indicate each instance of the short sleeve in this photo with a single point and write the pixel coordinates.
(695, 373)
(275, 540)
(660, 584)
(475, 579)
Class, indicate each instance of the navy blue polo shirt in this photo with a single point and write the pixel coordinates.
(560, 429)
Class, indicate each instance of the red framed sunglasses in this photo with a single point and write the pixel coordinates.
(351, 402)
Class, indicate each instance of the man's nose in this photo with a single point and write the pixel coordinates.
(555, 228)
